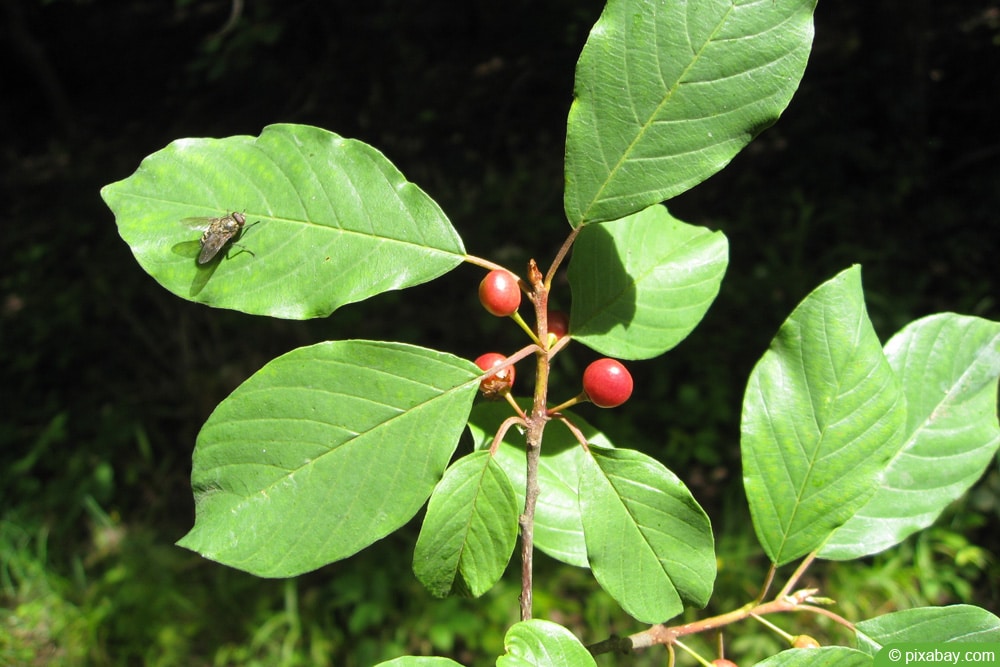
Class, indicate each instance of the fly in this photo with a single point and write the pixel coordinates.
(218, 232)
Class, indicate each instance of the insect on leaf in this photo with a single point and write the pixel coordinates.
(217, 233)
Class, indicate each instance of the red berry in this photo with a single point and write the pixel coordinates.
(558, 324)
(722, 662)
(499, 293)
(607, 383)
(496, 384)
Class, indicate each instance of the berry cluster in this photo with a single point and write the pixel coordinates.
(606, 382)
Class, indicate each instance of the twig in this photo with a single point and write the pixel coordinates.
(577, 433)
(829, 614)
(487, 264)
(527, 525)
(502, 431)
(799, 571)
(663, 634)
(539, 296)
(767, 583)
(560, 256)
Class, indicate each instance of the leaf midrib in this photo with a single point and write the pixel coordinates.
(644, 127)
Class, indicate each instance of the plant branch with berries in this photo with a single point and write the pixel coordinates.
(848, 446)
(606, 383)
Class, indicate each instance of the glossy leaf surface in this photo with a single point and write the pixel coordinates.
(955, 623)
(666, 93)
(642, 283)
(538, 643)
(325, 450)
(948, 365)
(822, 416)
(470, 528)
(649, 543)
(330, 221)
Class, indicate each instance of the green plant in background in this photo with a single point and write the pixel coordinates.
(848, 446)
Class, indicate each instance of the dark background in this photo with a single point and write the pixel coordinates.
(887, 156)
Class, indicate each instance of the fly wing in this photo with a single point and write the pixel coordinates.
(211, 244)
(200, 224)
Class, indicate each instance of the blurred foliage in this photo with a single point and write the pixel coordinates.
(886, 156)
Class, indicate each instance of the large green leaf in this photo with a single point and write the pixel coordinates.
(956, 623)
(539, 643)
(558, 527)
(668, 92)
(649, 543)
(948, 365)
(470, 528)
(330, 221)
(822, 416)
(323, 451)
(642, 283)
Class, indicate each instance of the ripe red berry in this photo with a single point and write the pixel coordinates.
(558, 324)
(499, 293)
(722, 662)
(496, 384)
(607, 383)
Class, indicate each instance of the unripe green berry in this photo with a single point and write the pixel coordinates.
(607, 383)
(499, 293)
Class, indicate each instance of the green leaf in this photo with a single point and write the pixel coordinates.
(642, 283)
(538, 643)
(330, 221)
(323, 451)
(824, 656)
(649, 543)
(668, 92)
(956, 623)
(470, 528)
(948, 365)
(822, 416)
(413, 661)
(558, 527)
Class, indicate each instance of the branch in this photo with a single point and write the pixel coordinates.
(663, 634)
(539, 296)
(829, 614)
